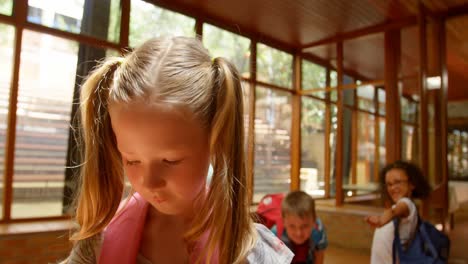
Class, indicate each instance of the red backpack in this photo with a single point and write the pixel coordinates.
(269, 211)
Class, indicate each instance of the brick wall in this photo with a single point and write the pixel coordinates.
(37, 248)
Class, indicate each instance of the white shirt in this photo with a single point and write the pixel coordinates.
(382, 242)
(407, 226)
(381, 251)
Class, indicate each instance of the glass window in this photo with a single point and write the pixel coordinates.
(366, 97)
(333, 83)
(408, 110)
(47, 79)
(148, 20)
(274, 66)
(222, 43)
(366, 150)
(69, 16)
(272, 142)
(6, 7)
(312, 174)
(332, 145)
(313, 76)
(382, 148)
(408, 142)
(381, 99)
(458, 155)
(6, 57)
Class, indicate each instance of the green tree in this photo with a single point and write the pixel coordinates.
(274, 66)
(6, 7)
(148, 20)
(222, 43)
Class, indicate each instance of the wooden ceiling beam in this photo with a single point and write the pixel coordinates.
(456, 11)
(409, 21)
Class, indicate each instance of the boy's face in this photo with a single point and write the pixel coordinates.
(298, 228)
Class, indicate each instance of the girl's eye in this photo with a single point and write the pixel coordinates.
(172, 162)
(132, 162)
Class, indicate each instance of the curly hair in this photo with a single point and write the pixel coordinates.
(422, 189)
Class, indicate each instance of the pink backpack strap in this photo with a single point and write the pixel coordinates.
(121, 238)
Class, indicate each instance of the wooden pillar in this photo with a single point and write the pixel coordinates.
(327, 137)
(339, 199)
(20, 10)
(251, 129)
(443, 99)
(124, 24)
(296, 125)
(392, 97)
(423, 127)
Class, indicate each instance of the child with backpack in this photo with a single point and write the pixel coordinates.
(160, 116)
(298, 226)
(414, 241)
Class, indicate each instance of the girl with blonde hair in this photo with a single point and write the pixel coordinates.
(160, 116)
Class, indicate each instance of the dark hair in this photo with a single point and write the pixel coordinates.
(422, 189)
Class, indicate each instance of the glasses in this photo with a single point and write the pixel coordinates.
(396, 183)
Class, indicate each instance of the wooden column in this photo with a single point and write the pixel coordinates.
(124, 24)
(339, 129)
(392, 97)
(327, 137)
(251, 129)
(443, 115)
(296, 125)
(19, 12)
(423, 127)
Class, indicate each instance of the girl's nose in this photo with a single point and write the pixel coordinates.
(154, 178)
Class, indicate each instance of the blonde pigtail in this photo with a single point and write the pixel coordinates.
(102, 180)
(227, 202)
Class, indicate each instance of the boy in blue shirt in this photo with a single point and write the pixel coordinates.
(303, 232)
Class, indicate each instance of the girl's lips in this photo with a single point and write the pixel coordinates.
(159, 200)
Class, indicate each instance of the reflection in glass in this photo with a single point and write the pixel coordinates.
(148, 20)
(70, 16)
(6, 57)
(272, 142)
(235, 48)
(274, 66)
(6, 7)
(312, 174)
(47, 79)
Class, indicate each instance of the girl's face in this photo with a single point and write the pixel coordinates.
(165, 155)
(398, 184)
